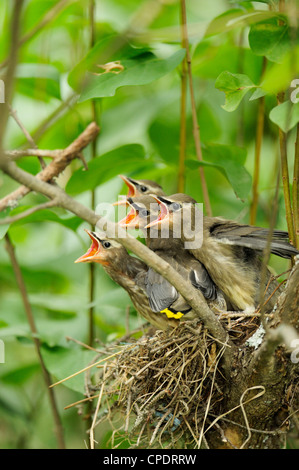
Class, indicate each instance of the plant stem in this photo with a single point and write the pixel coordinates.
(257, 155)
(285, 176)
(296, 190)
(21, 284)
(93, 195)
(182, 154)
(15, 26)
(196, 130)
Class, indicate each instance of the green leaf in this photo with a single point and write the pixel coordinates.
(270, 39)
(285, 115)
(237, 18)
(40, 81)
(120, 160)
(101, 53)
(63, 362)
(258, 93)
(139, 71)
(20, 375)
(230, 161)
(235, 87)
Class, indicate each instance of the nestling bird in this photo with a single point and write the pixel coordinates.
(159, 290)
(140, 188)
(231, 252)
(130, 273)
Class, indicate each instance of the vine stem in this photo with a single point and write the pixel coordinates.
(196, 129)
(285, 177)
(296, 190)
(183, 112)
(30, 317)
(257, 153)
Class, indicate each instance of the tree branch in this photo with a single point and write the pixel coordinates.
(196, 130)
(56, 166)
(34, 332)
(11, 64)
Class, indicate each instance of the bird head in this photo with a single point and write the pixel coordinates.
(176, 213)
(138, 188)
(143, 210)
(103, 250)
(170, 208)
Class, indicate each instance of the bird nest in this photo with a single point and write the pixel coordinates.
(163, 389)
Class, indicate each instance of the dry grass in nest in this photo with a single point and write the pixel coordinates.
(162, 390)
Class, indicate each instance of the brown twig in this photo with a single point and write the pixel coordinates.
(196, 130)
(257, 154)
(285, 176)
(11, 65)
(23, 291)
(43, 153)
(26, 134)
(56, 166)
(32, 210)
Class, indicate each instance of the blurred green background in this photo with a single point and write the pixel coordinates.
(139, 137)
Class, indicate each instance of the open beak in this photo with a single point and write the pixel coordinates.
(93, 250)
(130, 220)
(163, 214)
(131, 190)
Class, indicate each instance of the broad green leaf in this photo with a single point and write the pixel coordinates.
(40, 81)
(230, 161)
(63, 362)
(102, 52)
(235, 87)
(139, 71)
(285, 115)
(237, 18)
(120, 160)
(20, 375)
(270, 39)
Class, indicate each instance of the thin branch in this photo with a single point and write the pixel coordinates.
(183, 102)
(34, 333)
(94, 113)
(26, 134)
(196, 130)
(296, 190)
(23, 215)
(12, 63)
(257, 154)
(56, 166)
(43, 153)
(285, 176)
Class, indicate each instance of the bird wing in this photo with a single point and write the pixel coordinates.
(161, 294)
(201, 280)
(256, 238)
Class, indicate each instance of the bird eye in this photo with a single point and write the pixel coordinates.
(106, 244)
(144, 213)
(143, 189)
(175, 206)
